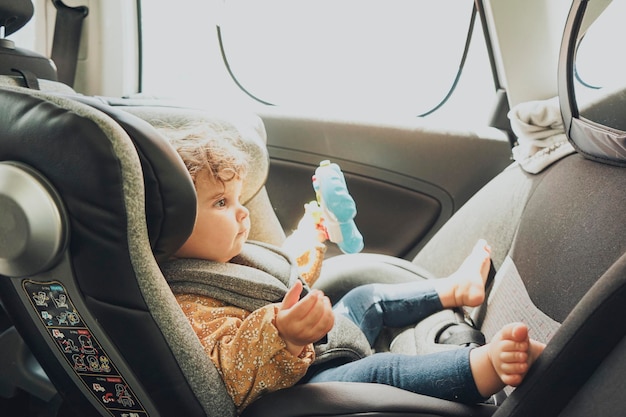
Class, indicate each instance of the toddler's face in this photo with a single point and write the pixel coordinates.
(222, 222)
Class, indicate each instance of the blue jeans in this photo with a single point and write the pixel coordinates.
(445, 375)
(373, 306)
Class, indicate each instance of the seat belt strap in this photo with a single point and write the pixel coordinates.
(479, 313)
(67, 30)
(465, 331)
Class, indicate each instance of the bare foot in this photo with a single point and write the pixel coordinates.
(505, 360)
(466, 286)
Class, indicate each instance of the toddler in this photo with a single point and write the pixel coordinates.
(271, 347)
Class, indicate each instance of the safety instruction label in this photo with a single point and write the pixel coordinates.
(81, 349)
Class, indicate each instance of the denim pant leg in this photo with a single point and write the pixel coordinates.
(373, 306)
(446, 375)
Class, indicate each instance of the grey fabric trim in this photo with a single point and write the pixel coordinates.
(44, 85)
(598, 143)
(253, 279)
(509, 302)
(270, 259)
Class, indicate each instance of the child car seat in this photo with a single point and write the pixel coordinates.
(72, 275)
(583, 367)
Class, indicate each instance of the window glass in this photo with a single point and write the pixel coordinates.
(25, 37)
(598, 65)
(599, 80)
(176, 47)
(399, 57)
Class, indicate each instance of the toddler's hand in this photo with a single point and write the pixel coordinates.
(300, 322)
(312, 222)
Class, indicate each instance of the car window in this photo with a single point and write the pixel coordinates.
(600, 91)
(25, 37)
(597, 64)
(399, 58)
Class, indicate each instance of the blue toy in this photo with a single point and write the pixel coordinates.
(337, 207)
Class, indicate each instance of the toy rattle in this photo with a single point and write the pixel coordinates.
(335, 209)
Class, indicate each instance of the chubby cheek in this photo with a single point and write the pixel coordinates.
(221, 242)
(192, 248)
(197, 244)
(204, 246)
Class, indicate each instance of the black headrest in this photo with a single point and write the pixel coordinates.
(14, 14)
(74, 155)
(170, 194)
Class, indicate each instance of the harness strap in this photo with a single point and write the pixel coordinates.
(260, 275)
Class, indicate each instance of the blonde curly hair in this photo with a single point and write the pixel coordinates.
(214, 149)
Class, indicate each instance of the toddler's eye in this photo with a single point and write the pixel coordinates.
(220, 203)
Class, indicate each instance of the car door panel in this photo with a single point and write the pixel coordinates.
(407, 179)
(414, 212)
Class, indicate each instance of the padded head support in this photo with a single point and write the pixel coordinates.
(91, 189)
(170, 194)
(14, 14)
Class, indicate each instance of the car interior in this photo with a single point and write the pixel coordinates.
(93, 199)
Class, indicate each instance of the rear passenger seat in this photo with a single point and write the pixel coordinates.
(558, 234)
(558, 241)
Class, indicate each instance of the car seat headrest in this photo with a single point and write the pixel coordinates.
(169, 192)
(170, 200)
(14, 14)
